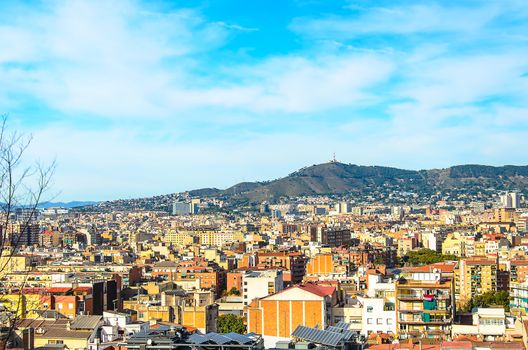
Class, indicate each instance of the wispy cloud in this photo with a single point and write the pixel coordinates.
(117, 84)
(404, 19)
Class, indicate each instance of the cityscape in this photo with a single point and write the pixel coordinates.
(267, 174)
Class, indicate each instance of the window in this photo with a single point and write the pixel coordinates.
(370, 308)
(389, 321)
(369, 320)
(379, 321)
(70, 306)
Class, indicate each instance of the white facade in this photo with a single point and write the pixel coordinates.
(511, 200)
(116, 319)
(377, 285)
(258, 284)
(379, 315)
(490, 321)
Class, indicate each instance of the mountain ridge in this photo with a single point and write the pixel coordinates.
(337, 178)
(347, 180)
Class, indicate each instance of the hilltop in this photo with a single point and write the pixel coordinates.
(350, 180)
(336, 178)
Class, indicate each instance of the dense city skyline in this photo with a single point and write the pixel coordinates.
(139, 98)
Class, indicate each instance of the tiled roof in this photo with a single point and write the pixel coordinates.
(319, 290)
(86, 322)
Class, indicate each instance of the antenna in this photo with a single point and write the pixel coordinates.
(334, 158)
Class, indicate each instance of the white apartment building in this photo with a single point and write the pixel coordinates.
(258, 284)
(379, 315)
(488, 323)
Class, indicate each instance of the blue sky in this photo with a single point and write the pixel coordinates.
(138, 98)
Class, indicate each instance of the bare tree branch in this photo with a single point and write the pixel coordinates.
(22, 188)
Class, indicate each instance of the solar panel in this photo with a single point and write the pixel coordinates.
(334, 329)
(347, 335)
(343, 325)
(239, 338)
(218, 339)
(198, 339)
(317, 336)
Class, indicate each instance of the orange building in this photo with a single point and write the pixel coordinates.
(66, 305)
(320, 264)
(277, 315)
(234, 280)
(519, 270)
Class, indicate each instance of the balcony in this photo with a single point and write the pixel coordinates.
(414, 311)
(421, 322)
(418, 297)
(417, 332)
(425, 318)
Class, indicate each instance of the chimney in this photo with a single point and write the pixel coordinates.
(28, 338)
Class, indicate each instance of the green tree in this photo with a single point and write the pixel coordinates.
(426, 256)
(233, 291)
(231, 323)
(489, 299)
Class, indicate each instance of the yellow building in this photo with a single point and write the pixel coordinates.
(71, 339)
(454, 244)
(147, 312)
(474, 276)
(193, 309)
(15, 263)
(75, 334)
(405, 245)
(178, 238)
(22, 305)
(480, 248)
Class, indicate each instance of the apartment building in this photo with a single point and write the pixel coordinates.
(258, 284)
(425, 305)
(378, 316)
(330, 236)
(475, 275)
(293, 264)
(405, 245)
(519, 296)
(488, 324)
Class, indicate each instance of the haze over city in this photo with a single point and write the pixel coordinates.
(137, 98)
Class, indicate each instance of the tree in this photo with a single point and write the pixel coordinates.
(426, 256)
(23, 184)
(231, 323)
(233, 291)
(489, 299)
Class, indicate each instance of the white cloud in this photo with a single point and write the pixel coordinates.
(400, 20)
(119, 61)
(113, 59)
(466, 79)
(117, 163)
